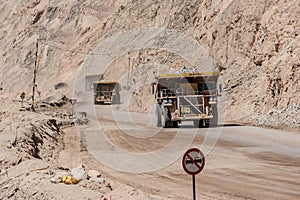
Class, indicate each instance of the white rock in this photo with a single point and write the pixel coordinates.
(94, 174)
(78, 172)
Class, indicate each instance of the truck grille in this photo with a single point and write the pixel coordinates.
(192, 105)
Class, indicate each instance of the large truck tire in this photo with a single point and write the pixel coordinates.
(158, 115)
(116, 99)
(95, 100)
(165, 117)
(214, 120)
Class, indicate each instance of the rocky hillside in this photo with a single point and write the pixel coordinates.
(254, 44)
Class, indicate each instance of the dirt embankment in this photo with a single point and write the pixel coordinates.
(39, 148)
(31, 144)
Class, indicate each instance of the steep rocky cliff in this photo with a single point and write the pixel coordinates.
(254, 44)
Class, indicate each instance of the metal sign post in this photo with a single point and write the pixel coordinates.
(193, 162)
(194, 188)
(34, 74)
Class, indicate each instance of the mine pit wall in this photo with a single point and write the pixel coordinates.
(254, 44)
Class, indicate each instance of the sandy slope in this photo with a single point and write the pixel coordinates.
(255, 44)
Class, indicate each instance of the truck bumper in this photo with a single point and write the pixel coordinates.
(191, 118)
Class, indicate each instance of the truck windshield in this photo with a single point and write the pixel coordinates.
(208, 86)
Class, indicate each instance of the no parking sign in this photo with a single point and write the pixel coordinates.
(193, 162)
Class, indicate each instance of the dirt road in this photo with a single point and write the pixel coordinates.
(242, 162)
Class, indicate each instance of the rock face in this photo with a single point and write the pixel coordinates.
(255, 44)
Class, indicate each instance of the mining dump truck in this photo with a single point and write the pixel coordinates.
(106, 92)
(187, 97)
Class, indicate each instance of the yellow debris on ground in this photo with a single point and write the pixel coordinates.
(70, 180)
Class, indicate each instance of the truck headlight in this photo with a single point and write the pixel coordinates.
(167, 101)
(213, 99)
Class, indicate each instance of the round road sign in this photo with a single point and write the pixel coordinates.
(193, 161)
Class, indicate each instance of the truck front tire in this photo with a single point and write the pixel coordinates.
(158, 115)
(166, 118)
(214, 120)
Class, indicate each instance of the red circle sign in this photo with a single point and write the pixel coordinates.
(193, 161)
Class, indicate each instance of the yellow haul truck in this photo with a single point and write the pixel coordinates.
(106, 92)
(187, 97)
